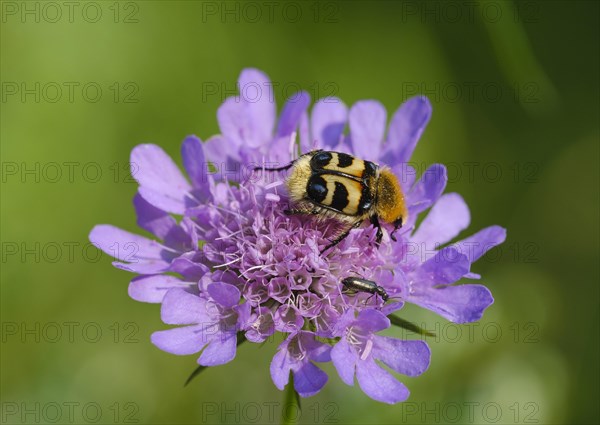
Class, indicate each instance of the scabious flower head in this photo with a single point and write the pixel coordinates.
(233, 266)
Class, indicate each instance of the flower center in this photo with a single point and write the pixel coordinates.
(296, 350)
(226, 317)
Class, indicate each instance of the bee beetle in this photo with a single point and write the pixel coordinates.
(363, 285)
(351, 190)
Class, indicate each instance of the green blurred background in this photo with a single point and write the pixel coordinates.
(514, 88)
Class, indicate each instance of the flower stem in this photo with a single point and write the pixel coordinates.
(290, 411)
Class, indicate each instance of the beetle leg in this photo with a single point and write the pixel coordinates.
(375, 222)
(397, 225)
(341, 237)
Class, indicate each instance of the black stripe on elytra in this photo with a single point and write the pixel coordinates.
(340, 197)
(316, 189)
(366, 200)
(344, 160)
(370, 170)
(320, 160)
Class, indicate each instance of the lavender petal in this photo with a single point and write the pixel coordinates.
(367, 121)
(379, 384)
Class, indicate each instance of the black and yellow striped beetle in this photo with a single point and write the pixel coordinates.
(339, 186)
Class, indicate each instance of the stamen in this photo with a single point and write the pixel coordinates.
(192, 197)
(292, 145)
(231, 262)
(230, 235)
(367, 350)
(272, 197)
(274, 184)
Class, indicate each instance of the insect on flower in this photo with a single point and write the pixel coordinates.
(348, 189)
(228, 265)
(363, 285)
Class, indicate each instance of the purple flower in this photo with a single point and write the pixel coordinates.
(359, 347)
(213, 320)
(295, 355)
(228, 265)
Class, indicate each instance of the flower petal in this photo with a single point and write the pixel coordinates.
(162, 184)
(304, 134)
(406, 127)
(379, 384)
(446, 219)
(233, 122)
(125, 246)
(344, 359)
(152, 288)
(280, 367)
(221, 350)
(225, 157)
(428, 189)
(196, 166)
(159, 223)
(225, 294)
(459, 304)
(328, 119)
(407, 357)
(217, 148)
(478, 244)
(188, 269)
(309, 379)
(367, 120)
(291, 113)
(163, 201)
(144, 268)
(317, 351)
(372, 320)
(180, 341)
(256, 91)
(179, 307)
(447, 266)
(407, 175)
